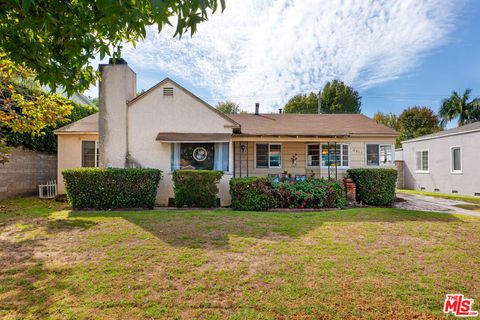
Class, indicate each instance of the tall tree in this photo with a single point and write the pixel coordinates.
(229, 107)
(337, 97)
(302, 103)
(418, 121)
(459, 106)
(57, 40)
(413, 122)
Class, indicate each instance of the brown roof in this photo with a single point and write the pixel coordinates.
(87, 124)
(310, 125)
(187, 137)
(272, 125)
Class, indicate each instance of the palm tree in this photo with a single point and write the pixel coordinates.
(460, 106)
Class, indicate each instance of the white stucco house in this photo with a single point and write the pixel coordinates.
(444, 162)
(169, 128)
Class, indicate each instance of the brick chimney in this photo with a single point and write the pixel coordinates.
(118, 85)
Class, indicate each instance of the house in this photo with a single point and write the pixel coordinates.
(169, 128)
(444, 162)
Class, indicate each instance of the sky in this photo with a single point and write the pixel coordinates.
(395, 53)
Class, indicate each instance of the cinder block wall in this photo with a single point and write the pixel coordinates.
(24, 171)
(400, 178)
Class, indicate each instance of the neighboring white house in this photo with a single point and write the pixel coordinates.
(169, 128)
(445, 162)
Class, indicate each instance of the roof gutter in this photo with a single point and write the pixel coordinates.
(441, 136)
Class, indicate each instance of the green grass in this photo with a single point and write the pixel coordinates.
(470, 199)
(369, 263)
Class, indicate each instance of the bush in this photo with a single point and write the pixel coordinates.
(375, 187)
(196, 188)
(312, 193)
(252, 194)
(102, 188)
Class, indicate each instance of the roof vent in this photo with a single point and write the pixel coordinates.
(454, 191)
(280, 111)
(477, 194)
(168, 92)
(257, 108)
(437, 190)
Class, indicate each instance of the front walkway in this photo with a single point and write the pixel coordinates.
(426, 203)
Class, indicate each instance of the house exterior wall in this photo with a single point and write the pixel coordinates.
(181, 112)
(439, 175)
(70, 154)
(357, 155)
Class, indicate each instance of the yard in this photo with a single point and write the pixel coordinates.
(358, 263)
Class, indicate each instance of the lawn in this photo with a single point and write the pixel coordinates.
(370, 263)
(470, 199)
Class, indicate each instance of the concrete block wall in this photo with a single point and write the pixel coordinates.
(24, 171)
(401, 175)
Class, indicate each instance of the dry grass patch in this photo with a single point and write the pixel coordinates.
(361, 263)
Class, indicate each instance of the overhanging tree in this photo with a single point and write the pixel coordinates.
(229, 107)
(57, 40)
(459, 106)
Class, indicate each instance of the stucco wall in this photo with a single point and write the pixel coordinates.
(24, 171)
(70, 154)
(181, 112)
(290, 148)
(439, 175)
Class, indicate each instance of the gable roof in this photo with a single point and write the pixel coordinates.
(328, 125)
(158, 85)
(289, 124)
(86, 125)
(472, 127)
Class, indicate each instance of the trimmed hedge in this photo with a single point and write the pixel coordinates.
(311, 193)
(102, 188)
(252, 194)
(375, 186)
(196, 188)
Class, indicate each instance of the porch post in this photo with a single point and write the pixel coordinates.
(336, 163)
(240, 158)
(247, 158)
(233, 158)
(328, 159)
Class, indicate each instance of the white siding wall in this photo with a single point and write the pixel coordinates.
(439, 175)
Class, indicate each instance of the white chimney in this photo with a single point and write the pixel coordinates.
(118, 85)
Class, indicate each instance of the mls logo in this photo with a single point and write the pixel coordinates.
(459, 306)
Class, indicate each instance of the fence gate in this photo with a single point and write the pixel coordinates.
(48, 190)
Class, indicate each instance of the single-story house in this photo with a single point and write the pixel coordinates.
(444, 162)
(169, 128)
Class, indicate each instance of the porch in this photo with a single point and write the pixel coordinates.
(294, 158)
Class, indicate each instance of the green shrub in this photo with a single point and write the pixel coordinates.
(312, 193)
(47, 141)
(375, 187)
(196, 188)
(252, 193)
(102, 188)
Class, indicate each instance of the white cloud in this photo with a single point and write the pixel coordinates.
(266, 51)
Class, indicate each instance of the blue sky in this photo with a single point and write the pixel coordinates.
(395, 53)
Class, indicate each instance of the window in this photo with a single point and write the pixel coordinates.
(422, 161)
(200, 156)
(313, 155)
(330, 155)
(456, 160)
(268, 155)
(379, 154)
(89, 154)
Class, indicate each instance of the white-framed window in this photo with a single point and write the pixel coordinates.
(268, 155)
(200, 156)
(89, 153)
(379, 154)
(329, 154)
(456, 159)
(421, 160)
